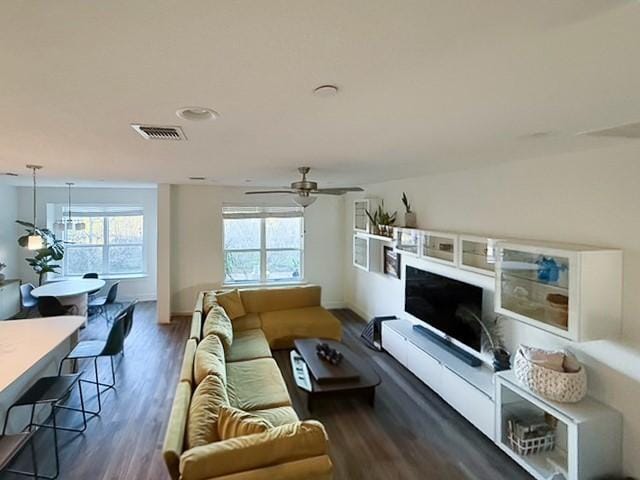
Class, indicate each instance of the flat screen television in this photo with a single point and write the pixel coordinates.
(435, 299)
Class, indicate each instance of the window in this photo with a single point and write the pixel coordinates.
(263, 244)
(112, 242)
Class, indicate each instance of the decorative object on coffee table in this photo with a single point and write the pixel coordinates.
(328, 354)
(353, 376)
(391, 262)
(409, 216)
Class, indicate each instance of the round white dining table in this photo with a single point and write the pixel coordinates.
(71, 292)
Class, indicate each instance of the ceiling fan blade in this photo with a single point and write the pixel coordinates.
(260, 192)
(337, 190)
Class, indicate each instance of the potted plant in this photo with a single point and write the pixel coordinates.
(2, 267)
(492, 340)
(52, 250)
(409, 216)
(382, 220)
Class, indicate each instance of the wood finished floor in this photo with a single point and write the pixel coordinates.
(410, 434)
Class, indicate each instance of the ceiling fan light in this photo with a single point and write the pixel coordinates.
(304, 200)
(34, 242)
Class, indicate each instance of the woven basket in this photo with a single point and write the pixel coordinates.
(563, 387)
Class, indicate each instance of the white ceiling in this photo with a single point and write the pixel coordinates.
(425, 85)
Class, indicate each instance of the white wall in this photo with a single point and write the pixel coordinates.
(590, 197)
(9, 231)
(196, 242)
(140, 288)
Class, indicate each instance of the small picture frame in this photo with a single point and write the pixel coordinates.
(391, 262)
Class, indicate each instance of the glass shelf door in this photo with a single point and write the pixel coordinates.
(360, 219)
(535, 286)
(406, 240)
(361, 252)
(478, 255)
(439, 247)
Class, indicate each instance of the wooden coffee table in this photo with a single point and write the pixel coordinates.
(353, 376)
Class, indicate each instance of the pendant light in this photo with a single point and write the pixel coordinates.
(70, 225)
(34, 241)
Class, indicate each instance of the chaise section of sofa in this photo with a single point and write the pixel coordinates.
(251, 381)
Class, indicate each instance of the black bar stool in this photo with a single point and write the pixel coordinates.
(10, 447)
(51, 391)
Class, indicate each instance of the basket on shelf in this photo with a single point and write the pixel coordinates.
(522, 444)
(560, 386)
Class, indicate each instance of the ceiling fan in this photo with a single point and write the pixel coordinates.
(304, 188)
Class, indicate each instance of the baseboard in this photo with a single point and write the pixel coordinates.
(182, 314)
(330, 305)
(151, 297)
(366, 316)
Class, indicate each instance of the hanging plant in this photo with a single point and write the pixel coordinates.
(52, 250)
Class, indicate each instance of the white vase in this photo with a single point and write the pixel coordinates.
(410, 220)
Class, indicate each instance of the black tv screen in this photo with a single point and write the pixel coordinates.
(436, 300)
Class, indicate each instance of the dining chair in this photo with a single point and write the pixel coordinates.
(49, 391)
(51, 307)
(11, 446)
(94, 349)
(29, 302)
(102, 303)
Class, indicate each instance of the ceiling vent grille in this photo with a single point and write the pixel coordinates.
(629, 130)
(158, 132)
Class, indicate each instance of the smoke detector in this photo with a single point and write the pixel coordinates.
(159, 132)
(197, 114)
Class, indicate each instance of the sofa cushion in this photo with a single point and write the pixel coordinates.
(218, 323)
(233, 422)
(209, 360)
(269, 299)
(186, 371)
(231, 302)
(278, 416)
(174, 437)
(283, 326)
(248, 322)
(248, 345)
(202, 427)
(208, 302)
(277, 445)
(256, 385)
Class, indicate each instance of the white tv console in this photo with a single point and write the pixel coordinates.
(589, 432)
(469, 390)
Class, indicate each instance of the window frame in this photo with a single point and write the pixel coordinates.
(263, 213)
(105, 212)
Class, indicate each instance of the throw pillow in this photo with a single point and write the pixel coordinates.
(233, 422)
(209, 360)
(202, 426)
(208, 302)
(232, 303)
(218, 323)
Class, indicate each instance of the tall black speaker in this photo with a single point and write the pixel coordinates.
(371, 335)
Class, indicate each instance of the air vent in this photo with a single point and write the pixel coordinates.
(156, 132)
(630, 130)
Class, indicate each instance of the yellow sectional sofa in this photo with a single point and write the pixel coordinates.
(233, 366)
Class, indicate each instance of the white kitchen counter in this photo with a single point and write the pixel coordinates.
(30, 349)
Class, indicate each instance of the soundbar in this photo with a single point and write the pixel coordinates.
(458, 352)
